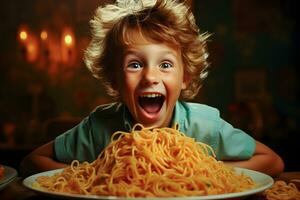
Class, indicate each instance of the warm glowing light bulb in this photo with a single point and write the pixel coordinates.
(68, 39)
(44, 35)
(23, 35)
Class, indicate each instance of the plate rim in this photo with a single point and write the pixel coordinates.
(10, 174)
(269, 182)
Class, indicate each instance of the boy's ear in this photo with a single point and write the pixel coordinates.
(186, 81)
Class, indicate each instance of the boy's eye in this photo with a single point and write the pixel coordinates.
(134, 65)
(166, 65)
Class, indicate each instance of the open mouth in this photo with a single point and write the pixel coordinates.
(151, 103)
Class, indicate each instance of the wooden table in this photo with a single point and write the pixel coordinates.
(16, 191)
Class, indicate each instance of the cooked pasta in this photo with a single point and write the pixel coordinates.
(283, 191)
(159, 162)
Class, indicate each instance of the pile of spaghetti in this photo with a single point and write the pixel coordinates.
(160, 162)
(282, 190)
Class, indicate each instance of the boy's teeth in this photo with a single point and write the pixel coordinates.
(151, 95)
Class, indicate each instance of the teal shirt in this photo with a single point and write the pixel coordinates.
(85, 141)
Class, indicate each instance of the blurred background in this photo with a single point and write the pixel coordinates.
(46, 89)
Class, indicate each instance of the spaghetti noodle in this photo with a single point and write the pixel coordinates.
(159, 162)
(283, 191)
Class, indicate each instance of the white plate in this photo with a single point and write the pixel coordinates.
(264, 181)
(9, 175)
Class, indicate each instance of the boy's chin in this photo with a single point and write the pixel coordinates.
(153, 123)
(151, 119)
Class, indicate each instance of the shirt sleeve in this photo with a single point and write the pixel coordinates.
(234, 144)
(85, 141)
(75, 144)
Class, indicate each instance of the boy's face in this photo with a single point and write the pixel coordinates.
(150, 81)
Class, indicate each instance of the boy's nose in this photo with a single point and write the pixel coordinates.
(151, 76)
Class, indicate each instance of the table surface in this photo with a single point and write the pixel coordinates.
(15, 190)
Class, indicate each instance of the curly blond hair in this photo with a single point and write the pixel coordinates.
(166, 21)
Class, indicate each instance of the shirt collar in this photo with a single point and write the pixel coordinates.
(178, 114)
(127, 119)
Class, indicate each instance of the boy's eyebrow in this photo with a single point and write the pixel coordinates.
(128, 51)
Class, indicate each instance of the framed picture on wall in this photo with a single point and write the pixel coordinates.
(250, 84)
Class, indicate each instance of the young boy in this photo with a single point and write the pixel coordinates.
(149, 54)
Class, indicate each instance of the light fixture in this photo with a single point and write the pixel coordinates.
(49, 48)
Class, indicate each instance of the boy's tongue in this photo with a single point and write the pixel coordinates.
(150, 105)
